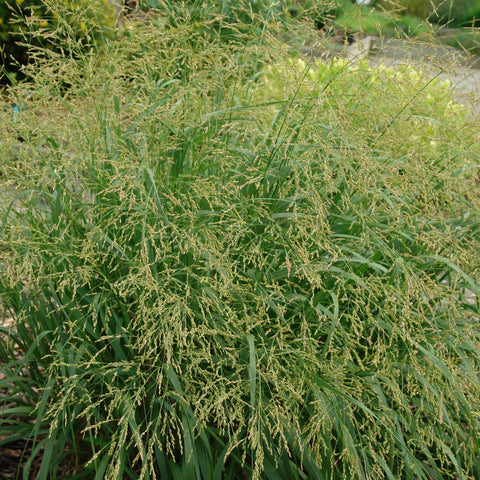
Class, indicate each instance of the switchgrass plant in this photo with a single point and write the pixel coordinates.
(211, 276)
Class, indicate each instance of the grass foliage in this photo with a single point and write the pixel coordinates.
(223, 262)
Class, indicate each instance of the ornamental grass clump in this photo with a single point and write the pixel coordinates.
(210, 279)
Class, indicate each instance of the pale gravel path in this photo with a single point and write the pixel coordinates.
(465, 81)
(442, 61)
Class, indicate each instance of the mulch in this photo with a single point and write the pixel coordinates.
(13, 457)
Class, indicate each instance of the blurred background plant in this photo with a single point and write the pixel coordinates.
(29, 28)
(13, 33)
(418, 8)
(456, 13)
(448, 22)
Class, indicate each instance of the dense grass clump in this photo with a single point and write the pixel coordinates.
(222, 262)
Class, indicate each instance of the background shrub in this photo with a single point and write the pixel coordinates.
(455, 13)
(419, 8)
(29, 28)
(230, 19)
(460, 13)
(13, 33)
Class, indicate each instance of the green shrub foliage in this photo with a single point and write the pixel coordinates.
(459, 13)
(420, 8)
(29, 28)
(12, 34)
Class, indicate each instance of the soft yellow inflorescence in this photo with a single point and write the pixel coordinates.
(98, 12)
